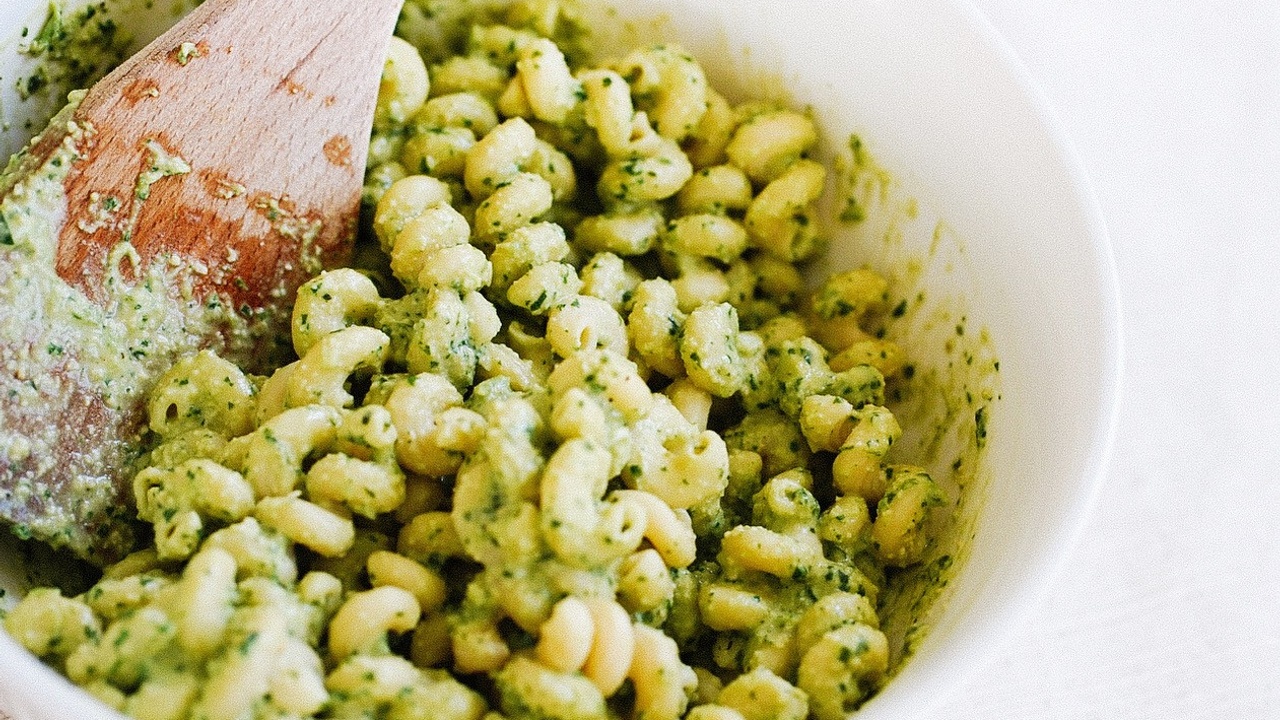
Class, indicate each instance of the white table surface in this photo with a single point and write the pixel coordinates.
(1170, 606)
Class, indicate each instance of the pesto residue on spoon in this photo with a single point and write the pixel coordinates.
(59, 347)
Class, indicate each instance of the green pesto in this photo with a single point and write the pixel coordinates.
(946, 405)
(58, 342)
(959, 398)
(864, 183)
(74, 49)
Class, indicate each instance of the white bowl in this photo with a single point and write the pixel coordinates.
(984, 208)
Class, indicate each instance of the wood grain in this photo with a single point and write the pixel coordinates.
(270, 103)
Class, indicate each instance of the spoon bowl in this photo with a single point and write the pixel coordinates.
(177, 204)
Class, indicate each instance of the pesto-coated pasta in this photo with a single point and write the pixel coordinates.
(405, 84)
(574, 442)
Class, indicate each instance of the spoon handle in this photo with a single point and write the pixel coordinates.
(269, 104)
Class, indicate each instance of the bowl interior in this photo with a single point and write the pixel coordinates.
(979, 214)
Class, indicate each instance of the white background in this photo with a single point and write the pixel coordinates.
(1170, 606)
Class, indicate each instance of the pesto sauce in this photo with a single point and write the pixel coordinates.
(75, 49)
(57, 345)
(864, 183)
(944, 406)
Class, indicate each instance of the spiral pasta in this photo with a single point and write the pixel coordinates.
(580, 444)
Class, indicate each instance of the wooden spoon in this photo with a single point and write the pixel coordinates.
(216, 170)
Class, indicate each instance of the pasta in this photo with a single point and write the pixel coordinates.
(580, 446)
